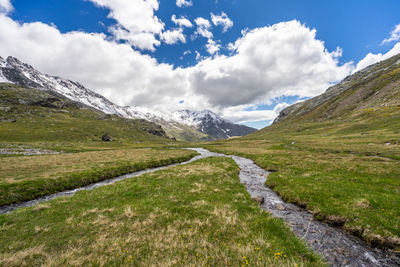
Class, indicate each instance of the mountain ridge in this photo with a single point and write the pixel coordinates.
(182, 124)
(363, 89)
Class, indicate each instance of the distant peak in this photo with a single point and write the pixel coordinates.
(13, 59)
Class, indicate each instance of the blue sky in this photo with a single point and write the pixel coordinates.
(356, 27)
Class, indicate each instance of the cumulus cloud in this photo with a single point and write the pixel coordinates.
(173, 36)
(181, 22)
(203, 26)
(114, 70)
(212, 47)
(136, 21)
(285, 59)
(244, 113)
(198, 56)
(394, 35)
(5, 6)
(183, 3)
(370, 58)
(222, 20)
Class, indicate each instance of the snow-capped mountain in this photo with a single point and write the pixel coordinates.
(15, 71)
(183, 125)
(210, 123)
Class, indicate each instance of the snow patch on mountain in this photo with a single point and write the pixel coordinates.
(2, 64)
(195, 118)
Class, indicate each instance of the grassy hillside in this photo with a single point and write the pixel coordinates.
(372, 92)
(339, 157)
(145, 221)
(33, 116)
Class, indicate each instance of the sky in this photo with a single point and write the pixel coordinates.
(245, 60)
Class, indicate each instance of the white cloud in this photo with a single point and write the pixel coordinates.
(5, 6)
(198, 56)
(173, 36)
(212, 47)
(183, 3)
(222, 20)
(181, 22)
(283, 59)
(203, 26)
(114, 70)
(202, 22)
(244, 113)
(370, 58)
(394, 35)
(136, 22)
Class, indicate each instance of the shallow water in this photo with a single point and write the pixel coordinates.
(335, 245)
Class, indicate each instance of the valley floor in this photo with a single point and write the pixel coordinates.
(145, 221)
(345, 173)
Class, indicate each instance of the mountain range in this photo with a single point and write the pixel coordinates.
(182, 124)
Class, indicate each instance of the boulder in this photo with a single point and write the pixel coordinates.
(106, 138)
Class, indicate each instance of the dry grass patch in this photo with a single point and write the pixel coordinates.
(17, 169)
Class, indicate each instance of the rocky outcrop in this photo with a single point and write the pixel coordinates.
(154, 129)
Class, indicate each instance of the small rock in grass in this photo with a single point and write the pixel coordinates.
(258, 199)
(280, 207)
(106, 138)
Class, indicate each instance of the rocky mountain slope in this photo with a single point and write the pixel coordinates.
(375, 87)
(211, 124)
(183, 125)
(31, 115)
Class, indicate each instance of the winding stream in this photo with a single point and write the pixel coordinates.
(335, 245)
